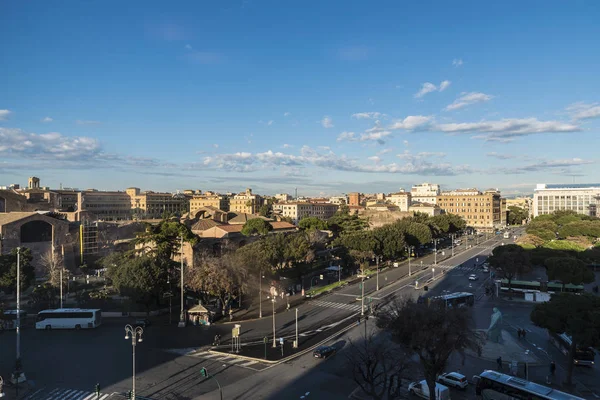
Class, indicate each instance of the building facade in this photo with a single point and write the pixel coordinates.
(339, 200)
(581, 198)
(283, 197)
(425, 193)
(481, 210)
(402, 200)
(354, 199)
(425, 208)
(246, 202)
(209, 199)
(298, 210)
(107, 206)
(152, 205)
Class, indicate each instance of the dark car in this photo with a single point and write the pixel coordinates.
(143, 322)
(324, 351)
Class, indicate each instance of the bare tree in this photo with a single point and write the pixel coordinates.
(378, 366)
(52, 264)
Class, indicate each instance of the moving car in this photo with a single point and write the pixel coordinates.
(422, 390)
(324, 351)
(453, 379)
(473, 277)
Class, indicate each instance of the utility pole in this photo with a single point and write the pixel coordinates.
(377, 273)
(260, 296)
(61, 285)
(296, 344)
(452, 245)
(274, 337)
(362, 297)
(182, 322)
(435, 251)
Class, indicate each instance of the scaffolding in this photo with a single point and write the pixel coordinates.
(88, 239)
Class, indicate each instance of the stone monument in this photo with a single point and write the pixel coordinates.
(494, 332)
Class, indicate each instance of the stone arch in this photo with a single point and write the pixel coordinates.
(36, 231)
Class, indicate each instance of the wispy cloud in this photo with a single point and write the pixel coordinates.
(375, 159)
(413, 122)
(561, 167)
(457, 62)
(368, 115)
(287, 146)
(4, 114)
(384, 151)
(429, 87)
(188, 47)
(379, 137)
(466, 99)
(507, 129)
(327, 122)
(270, 122)
(500, 156)
(287, 114)
(583, 110)
(87, 122)
(47, 119)
(353, 53)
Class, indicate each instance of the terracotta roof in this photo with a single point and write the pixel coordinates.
(282, 225)
(231, 228)
(241, 218)
(204, 224)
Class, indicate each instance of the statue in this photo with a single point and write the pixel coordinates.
(494, 332)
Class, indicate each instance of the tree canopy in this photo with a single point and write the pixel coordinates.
(307, 223)
(162, 241)
(441, 332)
(576, 315)
(516, 215)
(569, 270)
(510, 260)
(8, 270)
(256, 226)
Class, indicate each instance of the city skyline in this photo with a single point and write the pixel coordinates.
(224, 97)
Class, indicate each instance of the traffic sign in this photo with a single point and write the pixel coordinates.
(281, 341)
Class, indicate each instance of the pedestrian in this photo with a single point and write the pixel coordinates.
(499, 362)
(519, 333)
(552, 368)
(358, 321)
(523, 333)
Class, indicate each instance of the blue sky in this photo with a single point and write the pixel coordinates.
(325, 96)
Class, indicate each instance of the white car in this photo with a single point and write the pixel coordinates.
(453, 379)
(473, 277)
(422, 390)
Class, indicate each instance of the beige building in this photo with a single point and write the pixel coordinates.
(481, 210)
(209, 199)
(425, 193)
(107, 206)
(402, 200)
(152, 205)
(298, 210)
(283, 197)
(339, 200)
(246, 202)
(425, 208)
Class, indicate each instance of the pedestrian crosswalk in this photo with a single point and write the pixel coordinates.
(222, 358)
(341, 306)
(459, 268)
(65, 394)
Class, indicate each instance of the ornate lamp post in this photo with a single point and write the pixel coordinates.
(135, 334)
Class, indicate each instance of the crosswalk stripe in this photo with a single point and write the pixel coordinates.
(249, 363)
(207, 355)
(89, 396)
(236, 360)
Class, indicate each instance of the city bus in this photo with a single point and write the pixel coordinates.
(452, 300)
(68, 318)
(492, 385)
(8, 319)
(535, 286)
(583, 356)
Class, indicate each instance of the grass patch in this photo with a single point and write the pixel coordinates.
(563, 245)
(326, 288)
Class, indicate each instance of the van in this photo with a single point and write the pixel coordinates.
(422, 390)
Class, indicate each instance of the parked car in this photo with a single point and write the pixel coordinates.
(473, 277)
(143, 322)
(422, 390)
(324, 351)
(453, 379)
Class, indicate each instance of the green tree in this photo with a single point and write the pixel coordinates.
(344, 222)
(8, 270)
(516, 215)
(162, 241)
(569, 270)
(307, 223)
(510, 261)
(390, 241)
(415, 233)
(441, 332)
(576, 315)
(266, 210)
(141, 278)
(256, 226)
(449, 223)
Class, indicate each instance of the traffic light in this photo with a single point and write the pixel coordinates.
(97, 388)
(203, 372)
(129, 394)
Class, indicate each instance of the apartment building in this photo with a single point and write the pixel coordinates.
(246, 202)
(581, 198)
(425, 193)
(481, 210)
(107, 206)
(298, 210)
(209, 199)
(402, 200)
(151, 204)
(283, 197)
(338, 200)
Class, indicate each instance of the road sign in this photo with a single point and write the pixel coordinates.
(265, 339)
(395, 265)
(281, 341)
(235, 331)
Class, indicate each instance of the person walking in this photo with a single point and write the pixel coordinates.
(499, 362)
(552, 368)
(519, 333)
(523, 333)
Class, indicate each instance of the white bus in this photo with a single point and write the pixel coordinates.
(8, 319)
(68, 318)
(492, 385)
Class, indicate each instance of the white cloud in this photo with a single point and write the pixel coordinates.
(412, 122)
(457, 62)
(405, 142)
(466, 99)
(444, 85)
(384, 151)
(427, 87)
(500, 156)
(270, 122)
(327, 122)
(287, 146)
(424, 155)
(86, 122)
(507, 129)
(287, 114)
(583, 110)
(556, 166)
(378, 137)
(216, 145)
(4, 114)
(47, 119)
(375, 159)
(368, 115)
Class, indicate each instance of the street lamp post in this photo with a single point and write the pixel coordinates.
(339, 273)
(260, 296)
(409, 257)
(296, 344)
(433, 273)
(274, 337)
(435, 251)
(466, 241)
(182, 315)
(452, 244)
(18, 374)
(377, 261)
(362, 296)
(136, 336)
(61, 284)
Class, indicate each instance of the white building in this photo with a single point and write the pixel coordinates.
(425, 193)
(339, 200)
(298, 210)
(425, 208)
(581, 198)
(402, 200)
(283, 197)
